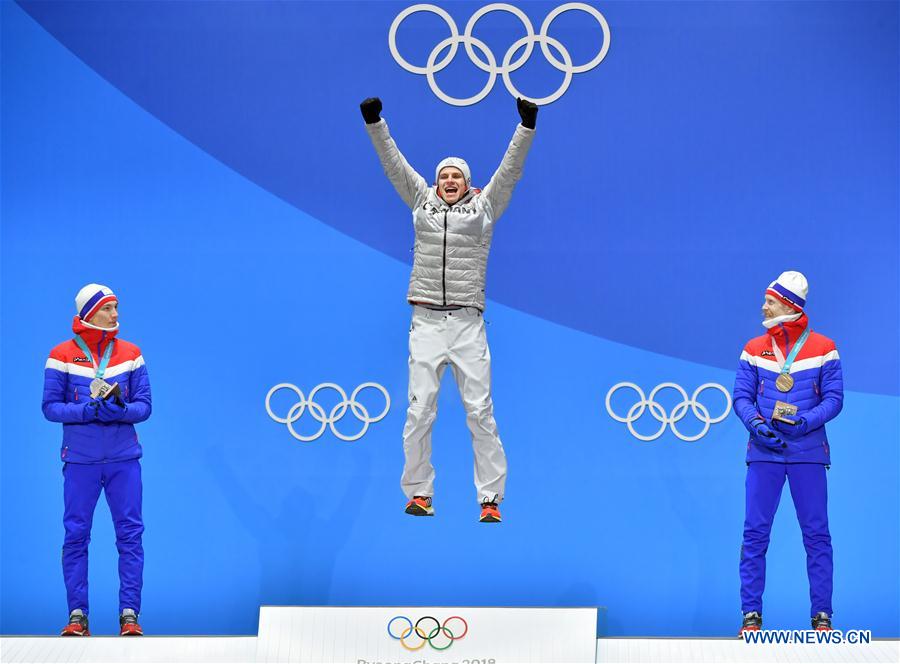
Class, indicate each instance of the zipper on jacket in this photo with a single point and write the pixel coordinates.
(444, 266)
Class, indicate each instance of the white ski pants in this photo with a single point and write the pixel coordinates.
(438, 339)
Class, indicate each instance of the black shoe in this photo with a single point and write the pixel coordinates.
(752, 623)
(78, 625)
(821, 622)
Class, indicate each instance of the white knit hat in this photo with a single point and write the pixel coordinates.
(456, 162)
(91, 298)
(790, 288)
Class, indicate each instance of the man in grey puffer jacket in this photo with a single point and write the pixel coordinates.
(453, 224)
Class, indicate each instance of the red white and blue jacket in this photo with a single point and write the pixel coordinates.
(67, 393)
(818, 392)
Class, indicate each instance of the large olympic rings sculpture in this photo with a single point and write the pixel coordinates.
(318, 413)
(678, 412)
(429, 636)
(509, 65)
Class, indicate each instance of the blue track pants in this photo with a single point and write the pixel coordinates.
(807, 481)
(122, 483)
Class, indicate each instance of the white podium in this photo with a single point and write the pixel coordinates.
(426, 635)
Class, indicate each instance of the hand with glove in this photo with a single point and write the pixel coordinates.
(527, 111)
(91, 410)
(766, 437)
(111, 411)
(799, 427)
(371, 110)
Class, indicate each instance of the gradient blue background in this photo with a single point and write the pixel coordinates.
(208, 161)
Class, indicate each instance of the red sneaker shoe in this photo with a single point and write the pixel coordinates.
(420, 506)
(821, 622)
(752, 623)
(78, 625)
(490, 513)
(128, 624)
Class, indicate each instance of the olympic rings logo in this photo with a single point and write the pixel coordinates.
(508, 65)
(438, 633)
(318, 413)
(678, 412)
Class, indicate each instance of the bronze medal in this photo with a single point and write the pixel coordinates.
(784, 382)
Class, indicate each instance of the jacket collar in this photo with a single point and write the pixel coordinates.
(786, 332)
(92, 334)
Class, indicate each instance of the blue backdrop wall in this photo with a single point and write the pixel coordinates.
(208, 161)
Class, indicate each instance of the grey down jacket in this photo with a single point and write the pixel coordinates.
(452, 242)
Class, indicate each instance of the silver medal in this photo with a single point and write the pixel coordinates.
(99, 388)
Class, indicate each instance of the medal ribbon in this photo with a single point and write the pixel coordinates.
(785, 364)
(104, 361)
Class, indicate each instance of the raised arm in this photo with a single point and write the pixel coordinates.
(499, 190)
(410, 185)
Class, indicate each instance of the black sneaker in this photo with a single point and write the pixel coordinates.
(128, 624)
(752, 623)
(78, 625)
(821, 622)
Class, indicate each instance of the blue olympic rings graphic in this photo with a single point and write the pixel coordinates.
(427, 634)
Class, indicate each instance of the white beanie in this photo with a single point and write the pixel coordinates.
(790, 288)
(91, 298)
(456, 162)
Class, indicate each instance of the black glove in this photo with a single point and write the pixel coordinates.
(527, 111)
(371, 110)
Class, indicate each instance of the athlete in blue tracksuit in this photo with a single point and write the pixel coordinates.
(100, 449)
(789, 365)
